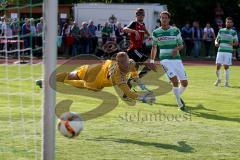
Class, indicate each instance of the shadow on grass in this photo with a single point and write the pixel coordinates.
(181, 147)
(237, 87)
(195, 111)
(215, 117)
(198, 107)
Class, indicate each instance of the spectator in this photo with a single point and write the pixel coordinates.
(187, 37)
(25, 32)
(208, 37)
(1, 22)
(6, 29)
(59, 37)
(7, 32)
(39, 29)
(197, 35)
(33, 27)
(93, 37)
(15, 27)
(84, 38)
(33, 33)
(106, 33)
(1, 32)
(65, 30)
(119, 32)
(75, 32)
(15, 30)
(65, 34)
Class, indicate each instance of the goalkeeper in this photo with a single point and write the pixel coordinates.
(111, 73)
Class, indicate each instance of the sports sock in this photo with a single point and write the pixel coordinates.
(177, 95)
(181, 90)
(218, 73)
(227, 75)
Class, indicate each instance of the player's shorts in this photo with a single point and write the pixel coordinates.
(174, 67)
(224, 58)
(81, 71)
(138, 55)
(91, 81)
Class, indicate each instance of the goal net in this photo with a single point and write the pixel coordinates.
(27, 112)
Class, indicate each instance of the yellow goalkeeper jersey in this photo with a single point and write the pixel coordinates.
(98, 76)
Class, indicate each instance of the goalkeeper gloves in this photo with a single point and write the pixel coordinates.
(148, 98)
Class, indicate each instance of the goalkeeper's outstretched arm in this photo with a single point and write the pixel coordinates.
(126, 90)
(146, 98)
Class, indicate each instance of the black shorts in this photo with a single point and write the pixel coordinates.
(137, 55)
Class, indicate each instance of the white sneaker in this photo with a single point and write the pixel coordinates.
(226, 84)
(217, 82)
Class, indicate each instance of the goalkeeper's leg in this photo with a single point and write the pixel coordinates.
(70, 78)
(144, 71)
(61, 77)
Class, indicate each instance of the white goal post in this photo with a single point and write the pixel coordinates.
(50, 10)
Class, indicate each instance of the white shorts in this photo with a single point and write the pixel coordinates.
(173, 68)
(224, 58)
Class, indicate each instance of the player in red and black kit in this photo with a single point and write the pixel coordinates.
(137, 51)
(137, 30)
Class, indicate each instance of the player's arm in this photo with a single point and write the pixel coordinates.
(126, 90)
(146, 32)
(235, 39)
(153, 53)
(154, 48)
(120, 80)
(146, 98)
(217, 40)
(129, 29)
(179, 44)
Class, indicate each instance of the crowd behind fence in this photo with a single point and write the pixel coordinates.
(26, 36)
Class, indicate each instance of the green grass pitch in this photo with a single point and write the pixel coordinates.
(210, 131)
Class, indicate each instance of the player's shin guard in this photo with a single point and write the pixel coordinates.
(177, 95)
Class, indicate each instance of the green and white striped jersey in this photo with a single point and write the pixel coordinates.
(225, 38)
(167, 40)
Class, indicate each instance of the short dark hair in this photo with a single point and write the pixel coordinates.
(166, 13)
(140, 11)
(229, 19)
